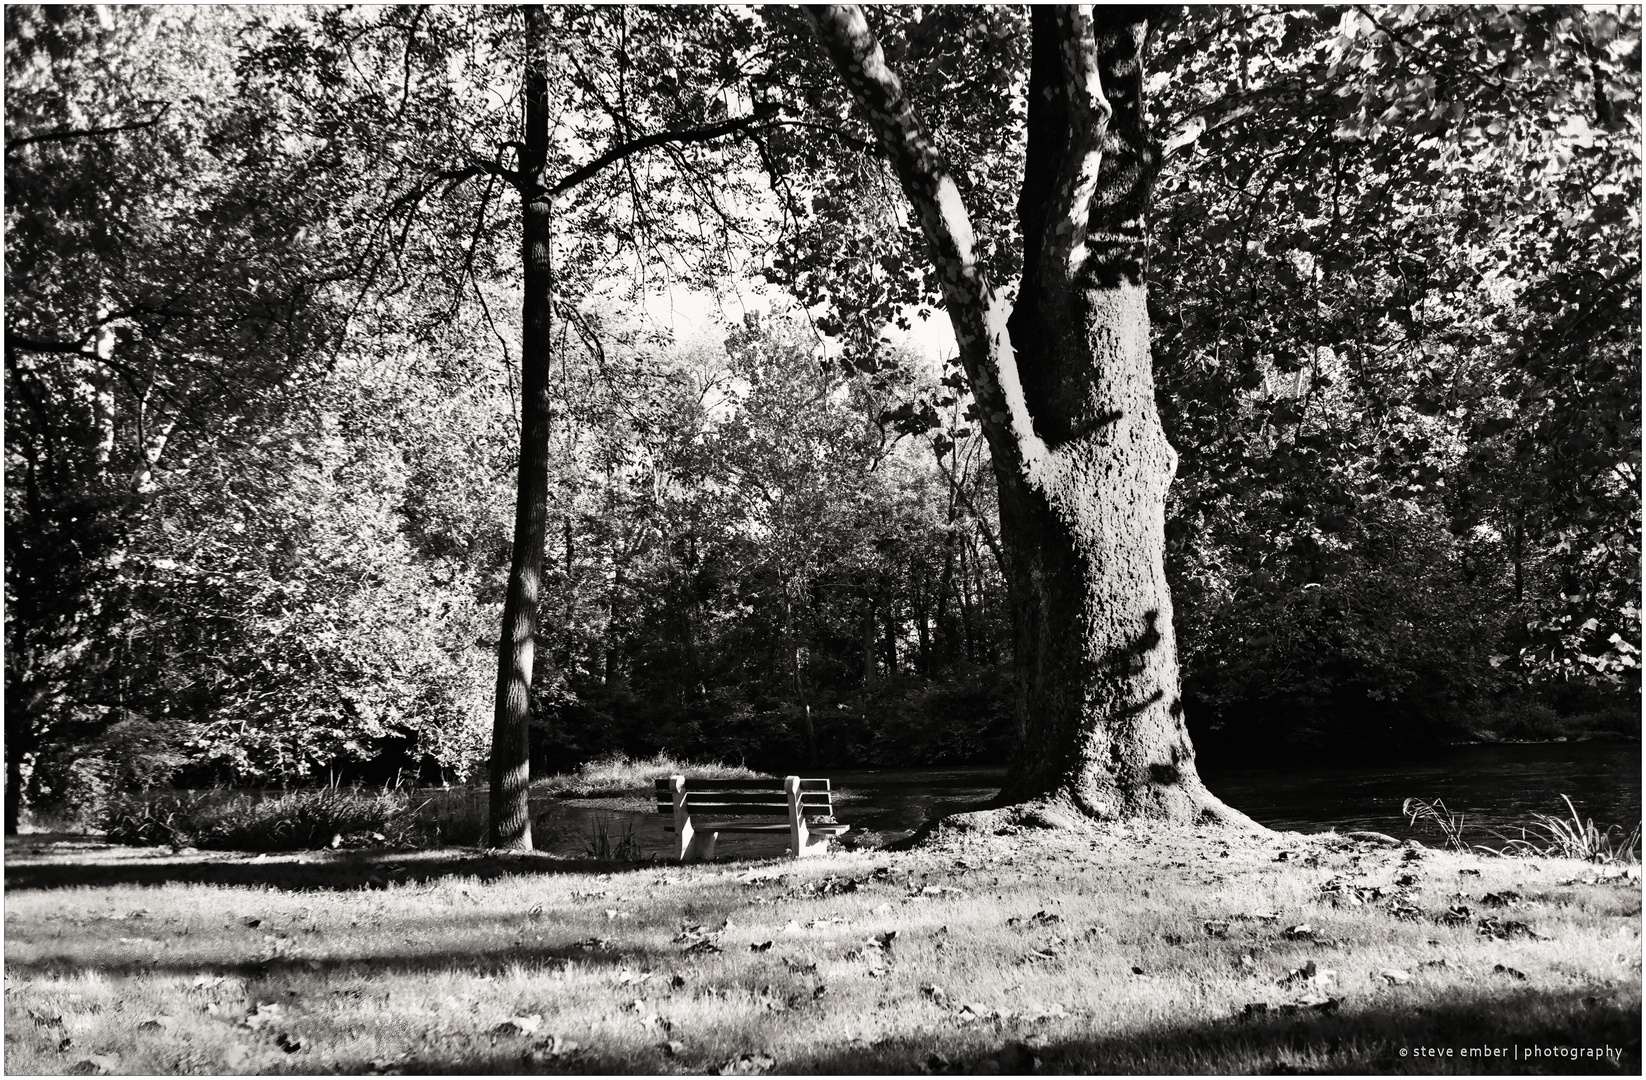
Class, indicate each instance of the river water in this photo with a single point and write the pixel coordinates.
(1495, 788)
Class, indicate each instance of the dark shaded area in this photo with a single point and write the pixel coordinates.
(1348, 1041)
(347, 872)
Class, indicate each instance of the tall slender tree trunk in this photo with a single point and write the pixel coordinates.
(793, 643)
(511, 825)
(920, 580)
(869, 667)
(889, 640)
(1065, 392)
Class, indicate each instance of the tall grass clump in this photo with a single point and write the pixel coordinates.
(245, 821)
(459, 816)
(1575, 838)
(1435, 813)
(618, 774)
(608, 840)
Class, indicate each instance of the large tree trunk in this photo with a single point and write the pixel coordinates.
(511, 825)
(1065, 392)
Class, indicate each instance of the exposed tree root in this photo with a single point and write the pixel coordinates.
(1066, 813)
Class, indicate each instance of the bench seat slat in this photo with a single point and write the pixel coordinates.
(711, 827)
(810, 798)
(811, 803)
(757, 783)
(744, 809)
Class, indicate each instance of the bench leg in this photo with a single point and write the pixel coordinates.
(694, 846)
(813, 844)
(700, 848)
(801, 839)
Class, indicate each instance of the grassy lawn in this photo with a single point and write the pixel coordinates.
(1116, 950)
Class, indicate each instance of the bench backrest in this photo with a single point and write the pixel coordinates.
(760, 796)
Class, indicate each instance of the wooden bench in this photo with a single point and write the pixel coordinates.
(767, 796)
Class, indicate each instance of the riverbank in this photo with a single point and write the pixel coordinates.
(1117, 949)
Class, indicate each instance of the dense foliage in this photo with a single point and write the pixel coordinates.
(261, 394)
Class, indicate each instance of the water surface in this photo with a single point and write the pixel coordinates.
(1495, 788)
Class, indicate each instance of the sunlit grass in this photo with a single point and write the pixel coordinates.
(1006, 949)
(618, 774)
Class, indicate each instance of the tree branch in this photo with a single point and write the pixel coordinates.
(63, 134)
(927, 182)
(659, 138)
(1089, 111)
(977, 314)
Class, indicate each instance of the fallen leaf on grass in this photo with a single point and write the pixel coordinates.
(672, 1048)
(1217, 929)
(1395, 976)
(759, 946)
(96, 1065)
(63, 1044)
(936, 993)
(1456, 915)
(46, 1020)
(1308, 975)
(702, 948)
(1469, 872)
(1499, 969)
(263, 1015)
(747, 1065)
(520, 1025)
(1300, 932)
(552, 1047)
(1506, 898)
(158, 1023)
(1493, 927)
(291, 1044)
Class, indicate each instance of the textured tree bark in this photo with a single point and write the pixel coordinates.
(1065, 391)
(516, 650)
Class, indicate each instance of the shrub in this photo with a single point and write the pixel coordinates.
(289, 821)
(168, 818)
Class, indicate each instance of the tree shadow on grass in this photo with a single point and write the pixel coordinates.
(1489, 1034)
(311, 870)
(1475, 1034)
(426, 945)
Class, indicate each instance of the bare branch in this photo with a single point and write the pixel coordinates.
(660, 138)
(64, 134)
